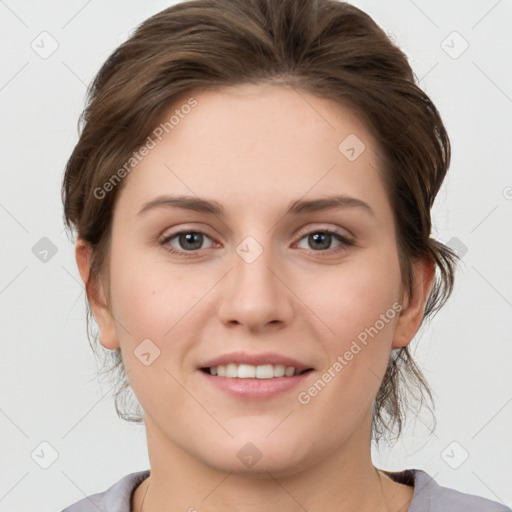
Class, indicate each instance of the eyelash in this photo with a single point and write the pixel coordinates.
(345, 242)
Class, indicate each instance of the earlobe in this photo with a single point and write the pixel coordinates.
(411, 315)
(96, 296)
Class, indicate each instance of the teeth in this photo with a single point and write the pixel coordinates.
(248, 371)
(231, 370)
(244, 371)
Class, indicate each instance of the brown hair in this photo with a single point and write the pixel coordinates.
(325, 47)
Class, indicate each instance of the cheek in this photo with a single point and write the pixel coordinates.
(156, 300)
(355, 296)
(361, 305)
(134, 303)
(147, 292)
(152, 306)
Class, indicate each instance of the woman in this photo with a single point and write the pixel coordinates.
(251, 194)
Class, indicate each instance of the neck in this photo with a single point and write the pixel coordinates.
(346, 480)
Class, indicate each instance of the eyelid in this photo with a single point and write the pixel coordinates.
(167, 236)
(344, 233)
(172, 231)
(301, 232)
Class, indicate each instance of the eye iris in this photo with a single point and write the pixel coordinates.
(188, 238)
(323, 238)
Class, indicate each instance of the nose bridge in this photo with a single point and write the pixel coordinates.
(255, 296)
(253, 260)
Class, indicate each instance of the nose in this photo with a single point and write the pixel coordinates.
(255, 292)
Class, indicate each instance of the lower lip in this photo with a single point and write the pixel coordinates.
(256, 389)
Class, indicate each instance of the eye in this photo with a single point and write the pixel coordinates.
(321, 240)
(187, 241)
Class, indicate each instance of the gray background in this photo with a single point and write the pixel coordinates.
(49, 391)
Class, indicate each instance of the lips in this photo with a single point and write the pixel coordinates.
(261, 387)
(255, 388)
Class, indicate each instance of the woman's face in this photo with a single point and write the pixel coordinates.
(265, 273)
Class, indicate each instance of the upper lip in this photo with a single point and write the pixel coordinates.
(255, 360)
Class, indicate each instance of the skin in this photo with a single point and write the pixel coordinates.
(255, 150)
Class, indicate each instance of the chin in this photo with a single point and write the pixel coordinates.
(257, 455)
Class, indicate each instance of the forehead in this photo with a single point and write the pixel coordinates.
(278, 116)
(259, 141)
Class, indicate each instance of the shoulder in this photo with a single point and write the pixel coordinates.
(116, 498)
(429, 496)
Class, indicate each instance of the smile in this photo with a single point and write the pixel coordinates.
(249, 371)
(255, 388)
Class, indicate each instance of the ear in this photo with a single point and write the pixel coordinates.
(96, 296)
(413, 306)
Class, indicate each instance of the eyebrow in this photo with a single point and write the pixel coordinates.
(296, 208)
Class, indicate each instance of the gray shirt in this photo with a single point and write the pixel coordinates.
(429, 496)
